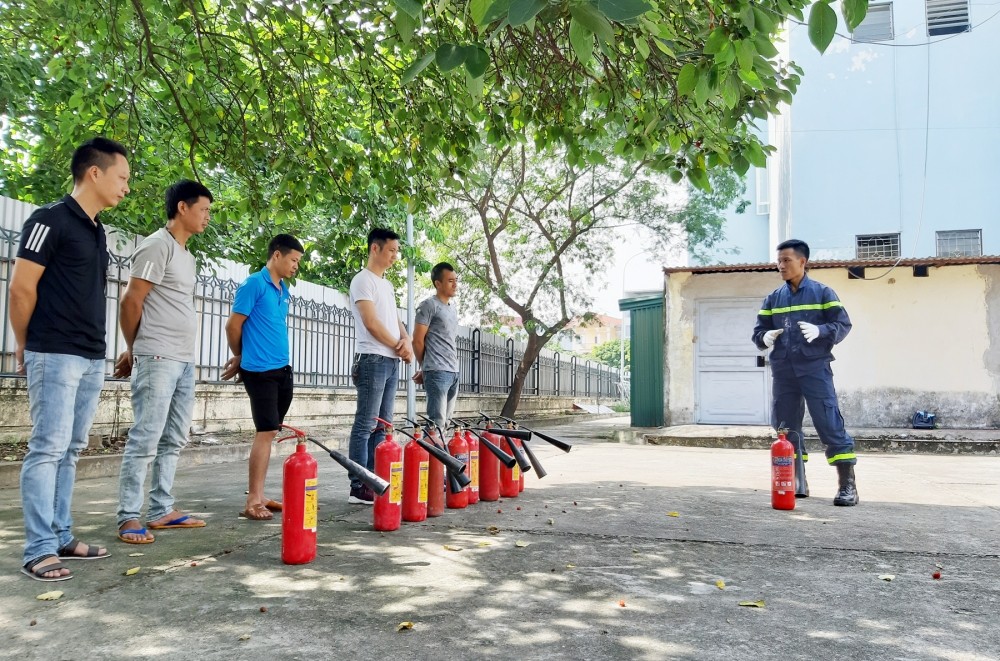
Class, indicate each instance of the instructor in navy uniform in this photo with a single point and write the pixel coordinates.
(801, 321)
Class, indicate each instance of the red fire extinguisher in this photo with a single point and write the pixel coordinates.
(300, 499)
(435, 483)
(489, 472)
(388, 508)
(510, 478)
(415, 468)
(459, 449)
(782, 473)
(473, 488)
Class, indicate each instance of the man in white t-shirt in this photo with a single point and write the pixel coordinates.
(381, 341)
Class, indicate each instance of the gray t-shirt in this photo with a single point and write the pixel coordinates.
(169, 325)
(441, 320)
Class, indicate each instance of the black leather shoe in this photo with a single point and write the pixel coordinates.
(847, 494)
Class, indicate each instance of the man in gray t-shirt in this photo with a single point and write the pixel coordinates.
(436, 327)
(159, 323)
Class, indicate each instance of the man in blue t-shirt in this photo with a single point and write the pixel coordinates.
(257, 332)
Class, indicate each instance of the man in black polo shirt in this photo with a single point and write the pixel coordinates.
(57, 309)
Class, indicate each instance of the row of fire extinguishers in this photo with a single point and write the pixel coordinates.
(414, 481)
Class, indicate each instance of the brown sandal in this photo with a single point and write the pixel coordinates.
(274, 506)
(257, 513)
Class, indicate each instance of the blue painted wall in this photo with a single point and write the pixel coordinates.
(859, 134)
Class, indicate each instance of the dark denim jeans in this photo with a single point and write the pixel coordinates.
(377, 382)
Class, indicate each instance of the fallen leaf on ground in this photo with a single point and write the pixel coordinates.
(753, 604)
(132, 571)
(493, 530)
(886, 577)
(483, 544)
(673, 513)
(449, 547)
(621, 602)
(570, 566)
(50, 596)
(405, 626)
(245, 636)
(136, 555)
(552, 522)
(721, 584)
(519, 544)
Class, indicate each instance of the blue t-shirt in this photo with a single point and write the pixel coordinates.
(265, 331)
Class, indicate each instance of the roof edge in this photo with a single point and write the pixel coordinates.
(839, 263)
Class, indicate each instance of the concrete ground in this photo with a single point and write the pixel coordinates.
(623, 551)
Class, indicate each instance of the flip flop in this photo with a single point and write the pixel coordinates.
(93, 551)
(32, 570)
(186, 521)
(257, 513)
(134, 531)
(274, 506)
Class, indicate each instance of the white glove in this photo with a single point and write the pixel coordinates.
(809, 331)
(771, 336)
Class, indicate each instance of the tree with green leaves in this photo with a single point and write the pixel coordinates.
(531, 232)
(323, 118)
(610, 353)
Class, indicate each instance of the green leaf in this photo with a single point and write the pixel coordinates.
(744, 54)
(765, 47)
(474, 85)
(731, 90)
(699, 178)
(854, 12)
(582, 40)
(755, 155)
(716, 41)
(497, 10)
(747, 18)
(449, 56)
(593, 20)
(415, 68)
(703, 89)
(411, 7)
(477, 9)
(522, 11)
(406, 25)
(763, 22)
(640, 45)
(741, 165)
(622, 10)
(822, 25)
(476, 61)
(687, 79)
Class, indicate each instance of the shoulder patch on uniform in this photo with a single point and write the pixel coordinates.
(36, 239)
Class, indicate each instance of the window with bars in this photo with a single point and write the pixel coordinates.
(960, 243)
(947, 17)
(877, 246)
(877, 25)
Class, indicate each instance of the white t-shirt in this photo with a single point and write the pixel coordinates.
(366, 286)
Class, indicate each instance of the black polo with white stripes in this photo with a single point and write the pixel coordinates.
(69, 315)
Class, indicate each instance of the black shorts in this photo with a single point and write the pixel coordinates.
(270, 396)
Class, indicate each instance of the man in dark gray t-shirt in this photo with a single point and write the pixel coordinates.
(434, 345)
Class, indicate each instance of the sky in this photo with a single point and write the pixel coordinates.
(634, 268)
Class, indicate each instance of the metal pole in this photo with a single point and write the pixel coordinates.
(411, 388)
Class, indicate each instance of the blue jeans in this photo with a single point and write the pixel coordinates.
(442, 391)
(377, 383)
(63, 392)
(162, 404)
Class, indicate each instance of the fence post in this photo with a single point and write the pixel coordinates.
(510, 362)
(572, 375)
(558, 372)
(476, 360)
(536, 370)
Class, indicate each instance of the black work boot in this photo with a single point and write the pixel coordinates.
(801, 486)
(847, 493)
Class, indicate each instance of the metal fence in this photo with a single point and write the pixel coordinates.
(321, 338)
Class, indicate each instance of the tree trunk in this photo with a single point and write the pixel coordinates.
(531, 352)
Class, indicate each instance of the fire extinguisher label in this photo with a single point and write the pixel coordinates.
(474, 469)
(515, 473)
(311, 509)
(422, 489)
(396, 482)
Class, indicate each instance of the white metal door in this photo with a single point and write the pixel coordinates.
(732, 383)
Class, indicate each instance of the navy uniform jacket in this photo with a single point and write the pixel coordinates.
(813, 303)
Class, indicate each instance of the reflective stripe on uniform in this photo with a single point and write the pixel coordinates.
(797, 308)
(841, 457)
